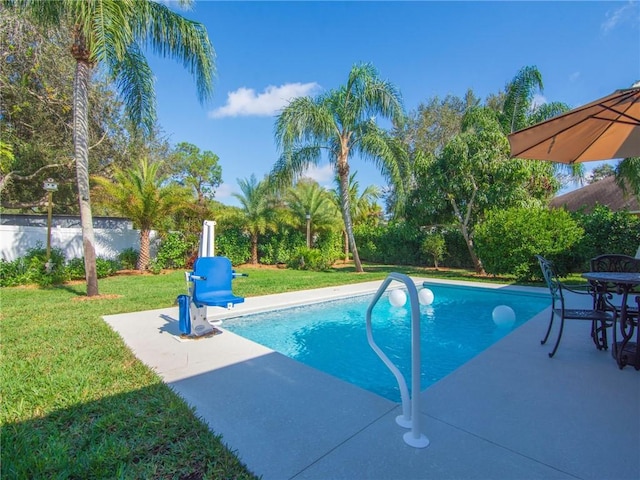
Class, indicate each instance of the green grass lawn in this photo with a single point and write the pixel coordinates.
(76, 403)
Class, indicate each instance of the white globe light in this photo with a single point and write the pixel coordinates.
(425, 296)
(503, 316)
(397, 298)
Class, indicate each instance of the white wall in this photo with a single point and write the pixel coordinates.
(16, 240)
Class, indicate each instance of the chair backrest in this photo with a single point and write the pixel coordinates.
(615, 263)
(216, 274)
(551, 277)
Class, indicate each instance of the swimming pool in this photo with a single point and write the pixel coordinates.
(331, 336)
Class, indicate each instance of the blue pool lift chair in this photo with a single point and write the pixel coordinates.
(209, 286)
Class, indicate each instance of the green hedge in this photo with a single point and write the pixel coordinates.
(606, 232)
(234, 244)
(508, 240)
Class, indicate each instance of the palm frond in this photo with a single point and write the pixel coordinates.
(134, 80)
(628, 176)
(171, 35)
(519, 94)
(546, 111)
(304, 119)
(292, 163)
(390, 157)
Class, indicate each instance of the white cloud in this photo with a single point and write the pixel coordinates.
(537, 100)
(246, 102)
(627, 13)
(323, 175)
(225, 191)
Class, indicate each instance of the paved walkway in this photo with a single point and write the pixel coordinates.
(509, 413)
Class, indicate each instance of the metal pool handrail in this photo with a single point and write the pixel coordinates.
(410, 417)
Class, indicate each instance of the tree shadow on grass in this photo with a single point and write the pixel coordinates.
(145, 433)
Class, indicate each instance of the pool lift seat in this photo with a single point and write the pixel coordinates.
(209, 285)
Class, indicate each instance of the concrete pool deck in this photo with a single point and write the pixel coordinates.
(509, 413)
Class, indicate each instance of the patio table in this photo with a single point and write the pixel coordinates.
(625, 351)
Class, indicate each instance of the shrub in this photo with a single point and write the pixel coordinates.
(104, 268)
(128, 258)
(508, 240)
(396, 243)
(310, 259)
(435, 246)
(235, 245)
(75, 268)
(330, 244)
(172, 252)
(13, 272)
(277, 247)
(606, 232)
(32, 268)
(155, 266)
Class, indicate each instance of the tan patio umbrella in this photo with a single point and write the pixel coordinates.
(602, 130)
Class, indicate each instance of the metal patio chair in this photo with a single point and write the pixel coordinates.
(600, 319)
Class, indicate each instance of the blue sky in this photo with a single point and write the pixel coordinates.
(269, 52)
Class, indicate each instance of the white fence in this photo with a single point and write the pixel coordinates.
(16, 240)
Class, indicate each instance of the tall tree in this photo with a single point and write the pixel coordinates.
(113, 34)
(197, 170)
(603, 171)
(472, 175)
(141, 195)
(341, 123)
(36, 116)
(258, 208)
(437, 120)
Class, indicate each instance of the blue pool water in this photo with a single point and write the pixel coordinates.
(331, 336)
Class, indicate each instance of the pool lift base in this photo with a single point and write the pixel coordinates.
(193, 319)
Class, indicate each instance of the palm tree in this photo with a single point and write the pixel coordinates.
(519, 112)
(628, 176)
(113, 34)
(309, 198)
(139, 194)
(258, 207)
(340, 123)
(518, 98)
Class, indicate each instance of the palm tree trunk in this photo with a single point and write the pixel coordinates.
(254, 249)
(143, 258)
(346, 246)
(81, 157)
(343, 172)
